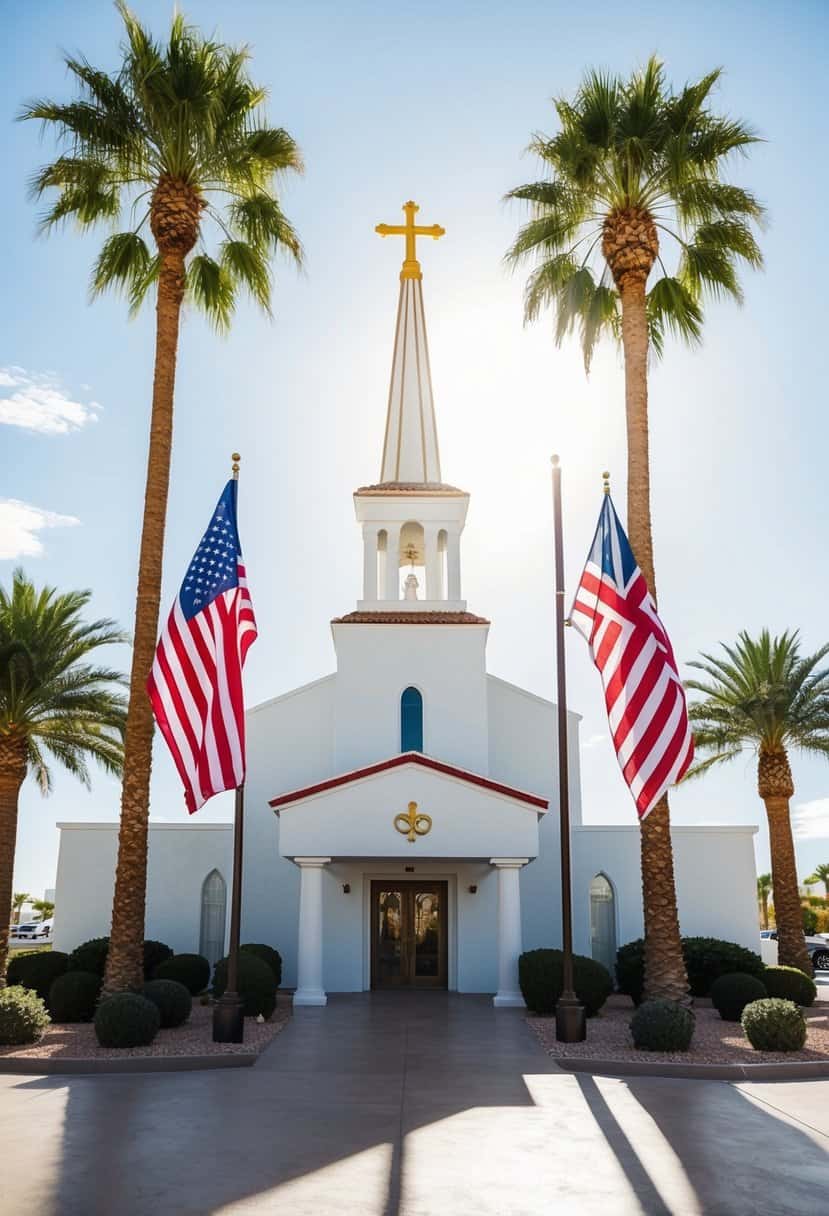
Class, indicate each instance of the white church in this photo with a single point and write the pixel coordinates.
(401, 823)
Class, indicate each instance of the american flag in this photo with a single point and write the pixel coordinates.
(195, 685)
(643, 693)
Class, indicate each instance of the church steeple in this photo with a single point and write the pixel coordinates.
(411, 518)
(410, 448)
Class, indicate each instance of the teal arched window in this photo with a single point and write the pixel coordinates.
(411, 721)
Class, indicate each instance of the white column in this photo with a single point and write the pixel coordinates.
(392, 589)
(453, 565)
(309, 990)
(432, 561)
(370, 563)
(509, 929)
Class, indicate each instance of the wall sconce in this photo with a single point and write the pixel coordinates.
(346, 888)
(473, 890)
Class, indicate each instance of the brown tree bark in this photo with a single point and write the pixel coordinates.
(665, 974)
(13, 768)
(775, 786)
(125, 962)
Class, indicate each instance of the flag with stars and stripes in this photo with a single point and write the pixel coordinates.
(195, 685)
(644, 697)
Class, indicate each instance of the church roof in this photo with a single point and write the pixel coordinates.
(410, 618)
(438, 766)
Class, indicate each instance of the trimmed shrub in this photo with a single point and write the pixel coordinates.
(731, 993)
(774, 1025)
(74, 995)
(706, 959)
(809, 920)
(126, 1020)
(662, 1026)
(172, 1000)
(541, 979)
(192, 970)
(37, 971)
(154, 954)
(90, 956)
(23, 1016)
(257, 984)
(268, 955)
(790, 984)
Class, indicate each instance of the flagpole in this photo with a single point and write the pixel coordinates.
(570, 1015)
(228, 1012)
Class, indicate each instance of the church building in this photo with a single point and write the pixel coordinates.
(401, 825)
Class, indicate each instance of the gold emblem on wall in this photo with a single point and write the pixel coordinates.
(412, 824)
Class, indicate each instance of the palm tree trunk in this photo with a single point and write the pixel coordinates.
(12, 776)
(791, 944)
(125, 966)
(665, 974)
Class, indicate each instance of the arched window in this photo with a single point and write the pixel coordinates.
(213, 911)
(411, 721)
(603, 922)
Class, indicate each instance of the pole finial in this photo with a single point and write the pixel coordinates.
(235, 457)
(554, 459)
(606, 481)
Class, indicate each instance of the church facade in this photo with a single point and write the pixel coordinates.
(401, 826)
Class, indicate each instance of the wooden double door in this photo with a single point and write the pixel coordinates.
(408, 934)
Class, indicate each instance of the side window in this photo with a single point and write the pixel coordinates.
(411, 721)
(213, 910)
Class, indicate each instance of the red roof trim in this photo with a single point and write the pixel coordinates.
(437, 766)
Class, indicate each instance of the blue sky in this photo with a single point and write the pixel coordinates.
(435, 103)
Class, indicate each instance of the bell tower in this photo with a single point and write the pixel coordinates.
(411, 517)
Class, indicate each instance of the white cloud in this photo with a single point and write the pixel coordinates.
(39, 402)
(592, 741)
(811, 819)
(20, 524)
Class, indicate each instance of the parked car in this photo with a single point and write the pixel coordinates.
(44, 929)
(818, 948)
(29, 929)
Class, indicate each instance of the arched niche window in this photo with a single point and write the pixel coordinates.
(213, 912)
(603, 922)
(411, 721)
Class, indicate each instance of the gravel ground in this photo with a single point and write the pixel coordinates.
(714, 1041)
(78, 1042)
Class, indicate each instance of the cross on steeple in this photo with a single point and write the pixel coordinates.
(411, 230)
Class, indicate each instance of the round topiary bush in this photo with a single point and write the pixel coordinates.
(23, 1016)
(774, 1025)
(37, 971)
(257, 984)
(154, 954)
(192, 970)
(268, 955)
(731, 993)
(74, 995)
(172, 999)
(541, 979)
(90, 956)
(790, 984)
(706, 959)
(662, 1026)
(126, 1020)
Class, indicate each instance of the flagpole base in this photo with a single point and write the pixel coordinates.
(229, 1019)
(571, 1022)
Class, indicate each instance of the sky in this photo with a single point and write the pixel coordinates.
(435, 102)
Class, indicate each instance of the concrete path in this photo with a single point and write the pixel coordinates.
(410, 1105)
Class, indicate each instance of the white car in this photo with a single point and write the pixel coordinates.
(29, 929)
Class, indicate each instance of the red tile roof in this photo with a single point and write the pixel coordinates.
(410, 618)
(437, 766)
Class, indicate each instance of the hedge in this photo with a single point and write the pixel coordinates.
(541, 979)
(192, 970)
(37, 971)
(257, 984)
(74, 996)
(126, 1020)
(706, 959)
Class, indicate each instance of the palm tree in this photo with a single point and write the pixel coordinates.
(18, 900)
(763, 695)
(821, 874)
(635, 179)
(45, 907)
(175, 139)
(53, 704)
(764, 889)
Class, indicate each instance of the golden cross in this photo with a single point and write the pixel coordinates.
(411, 266)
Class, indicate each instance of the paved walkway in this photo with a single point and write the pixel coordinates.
(410, 1105)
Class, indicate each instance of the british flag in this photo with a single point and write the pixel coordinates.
(645, 700)
(195, 685)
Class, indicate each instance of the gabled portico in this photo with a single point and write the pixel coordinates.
(404, 823)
